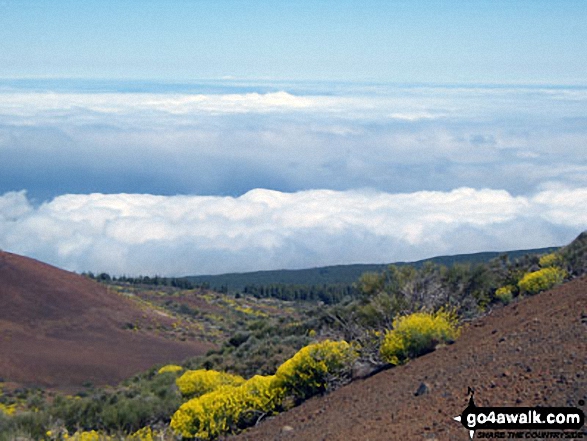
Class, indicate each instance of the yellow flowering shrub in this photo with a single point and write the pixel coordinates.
(201, 381)
(541, 280)
(226, 408)
(417, 334)
(250, 311)
(8, 409)
(261, 393)
(505, 294)
(170, 368)
(311, 369)
(224, 402)
(89, 436)
(548, 260)
(144, 434)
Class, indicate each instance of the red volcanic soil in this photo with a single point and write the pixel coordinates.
(59, 329)
(532, 353)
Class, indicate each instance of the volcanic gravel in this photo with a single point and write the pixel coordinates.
(62, 330)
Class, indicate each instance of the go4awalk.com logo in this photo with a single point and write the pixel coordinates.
(522, 422)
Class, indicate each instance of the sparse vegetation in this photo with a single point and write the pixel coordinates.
(289, 351)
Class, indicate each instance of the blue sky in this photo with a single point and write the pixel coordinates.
(197, 137)
(526, 41)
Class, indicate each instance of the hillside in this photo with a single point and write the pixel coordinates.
(339, 274)
(59, 329)
(531, 353)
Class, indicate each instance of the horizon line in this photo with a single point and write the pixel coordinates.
(260, 80)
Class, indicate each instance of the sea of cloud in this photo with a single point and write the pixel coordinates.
(286, 176)
(265, 229)
(393, 139)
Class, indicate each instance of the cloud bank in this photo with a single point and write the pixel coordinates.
(298, 175)
(264, 229)
(291, 138)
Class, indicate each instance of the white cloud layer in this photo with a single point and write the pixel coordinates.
(264, 229)
(504, 168)
(391, 139)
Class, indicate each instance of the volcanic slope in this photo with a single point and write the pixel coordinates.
(532, 353)
(59, 329)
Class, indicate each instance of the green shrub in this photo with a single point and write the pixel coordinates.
(314, 368)
(541, 280)
(124, 410)
(33, 424)
(416, 334)
(505, 294)
(201, 381)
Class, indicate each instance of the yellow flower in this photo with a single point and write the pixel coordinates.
(221, 410)
(416, 334)
(306, 373)
(201, 381)
(170, 368)
(541, 280)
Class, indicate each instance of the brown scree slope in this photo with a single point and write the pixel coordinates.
(526, 354)
(60, 329)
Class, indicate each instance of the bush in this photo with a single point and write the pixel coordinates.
(201, 381)
(89, 436)
(7, 409)
(314, 368)
(170, 368)
(261, 393)
(144, 434)
(417, 334)
(226, 408)
(33, 424)
(549, 260)
(541, 280)
(505, 294)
